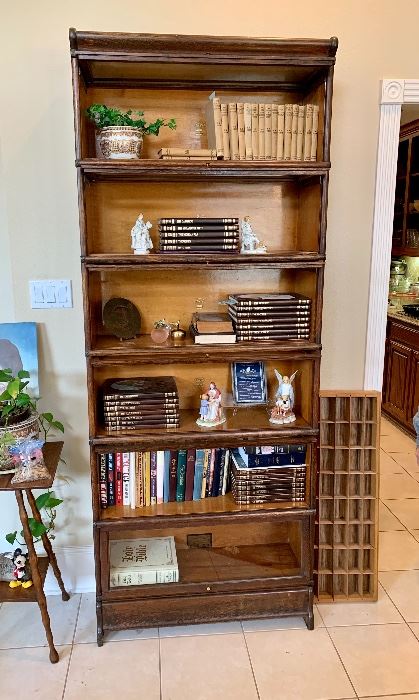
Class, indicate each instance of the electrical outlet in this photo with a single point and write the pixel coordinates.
(50, 294)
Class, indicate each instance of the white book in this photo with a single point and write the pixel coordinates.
(160, 475)
(248, 130)
(308, 127)
(233, 131)
(261, 132)
(143, 561)
(225, 131)
(300, 132)
(281, 129)
(226, 470)
(268, 131)
(241, 131)
(255, 131)
(294, 127)
(314, 132)
(132, 485)
(274, 131)
(287, 132)
(214, 125)
(125, 479)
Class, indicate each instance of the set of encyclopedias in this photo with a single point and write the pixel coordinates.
(262, 131)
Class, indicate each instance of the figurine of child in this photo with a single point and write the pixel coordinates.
(213, 413)
(203, 411)
(250, 243)
(141, 241)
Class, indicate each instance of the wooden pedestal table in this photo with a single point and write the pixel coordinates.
(39, 565)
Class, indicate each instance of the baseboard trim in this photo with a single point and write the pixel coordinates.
(77, 566)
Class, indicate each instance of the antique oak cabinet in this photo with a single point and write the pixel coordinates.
(172, 76)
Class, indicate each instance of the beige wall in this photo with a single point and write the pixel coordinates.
(377, 38)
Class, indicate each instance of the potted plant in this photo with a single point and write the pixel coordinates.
(19, 417)
(120, 134)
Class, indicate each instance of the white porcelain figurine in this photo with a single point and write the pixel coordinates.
(211, 411)
(250, 243)
(141, 241)
(282, 412)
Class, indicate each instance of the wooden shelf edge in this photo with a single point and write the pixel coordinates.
(218, 169)
(220, 507)
(215, 261)
(184, 352)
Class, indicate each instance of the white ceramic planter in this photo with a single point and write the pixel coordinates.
(119, 143)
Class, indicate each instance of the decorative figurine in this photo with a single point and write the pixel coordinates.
(161, 331)
(141, 241)
(177, 333)
(29, 461)
(21, 576)
(283, 413)
(211, 412)
(203, 411)
(250, 243)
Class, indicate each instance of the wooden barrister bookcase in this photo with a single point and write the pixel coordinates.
(346, 566)
(172, 76)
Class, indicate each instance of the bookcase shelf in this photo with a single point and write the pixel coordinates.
(154, 169)
(293, 261)
(260, 560)
(142, 347)
(196, 509)
(248, 425)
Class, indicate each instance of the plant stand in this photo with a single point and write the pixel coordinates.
(39, 565)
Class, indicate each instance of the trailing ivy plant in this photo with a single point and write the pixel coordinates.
(103, 116)
(14, 400)
(48, 503)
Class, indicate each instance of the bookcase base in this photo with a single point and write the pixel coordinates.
(187, 610)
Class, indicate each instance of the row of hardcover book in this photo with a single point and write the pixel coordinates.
(260, 131)
(140, 479)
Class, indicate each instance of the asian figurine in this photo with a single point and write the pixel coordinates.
(211, 411)
(283, 413)
(141, 242)
(250, 243)
(21, 575)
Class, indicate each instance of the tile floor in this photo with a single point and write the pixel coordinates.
(356, 650)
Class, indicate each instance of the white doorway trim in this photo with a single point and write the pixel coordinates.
(394, 93)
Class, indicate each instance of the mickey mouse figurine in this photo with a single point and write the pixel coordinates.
(20, 573)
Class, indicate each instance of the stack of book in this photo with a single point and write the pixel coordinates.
(199, 235)
(268, 478)
(143, 561)
(212, 328)
(140, 479)
(270, 316)
(260, 131)
(195, 154)
(140, 402)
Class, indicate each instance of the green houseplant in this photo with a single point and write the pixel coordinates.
(19, 417)
(120, 134)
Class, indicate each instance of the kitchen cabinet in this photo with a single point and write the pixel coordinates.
(406, 213)
(401, 372)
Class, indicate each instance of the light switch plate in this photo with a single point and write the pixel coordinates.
(50, 294)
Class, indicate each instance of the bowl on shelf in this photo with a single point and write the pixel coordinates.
(411, 310)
